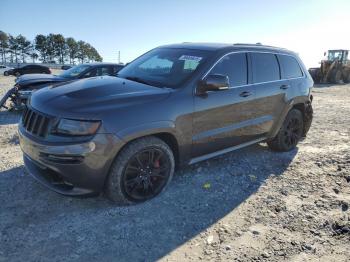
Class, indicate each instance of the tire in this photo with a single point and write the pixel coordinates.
(346, 78)
(290, 133)
(17, 74)
(336, 77)
(136, 169)
(6, 73)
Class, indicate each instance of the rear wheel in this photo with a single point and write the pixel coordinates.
(141, 171)
(336, 77)
(346, 78)
(290, 133)
(17, 74)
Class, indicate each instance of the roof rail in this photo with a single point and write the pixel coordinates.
(247, 44)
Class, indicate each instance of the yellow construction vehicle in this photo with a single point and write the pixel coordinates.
(335, 69)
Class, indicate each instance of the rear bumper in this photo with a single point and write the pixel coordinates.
(70, 169)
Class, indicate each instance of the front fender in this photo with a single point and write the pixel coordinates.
(146, 129)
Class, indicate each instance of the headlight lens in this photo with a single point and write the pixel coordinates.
(76, 127)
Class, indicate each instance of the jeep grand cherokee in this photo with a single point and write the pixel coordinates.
(176, 104)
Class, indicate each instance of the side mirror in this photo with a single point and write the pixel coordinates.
(324, 54)
(214, 82)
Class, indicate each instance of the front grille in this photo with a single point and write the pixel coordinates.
(35, 123)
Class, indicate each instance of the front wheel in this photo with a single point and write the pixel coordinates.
(6, 73)
(290, 133)
(141, 171)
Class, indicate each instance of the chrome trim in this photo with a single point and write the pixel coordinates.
(260, 83)
(224, 151)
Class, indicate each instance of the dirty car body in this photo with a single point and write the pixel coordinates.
(73, 135)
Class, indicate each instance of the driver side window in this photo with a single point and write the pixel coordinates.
(235, 67)
(90, 73)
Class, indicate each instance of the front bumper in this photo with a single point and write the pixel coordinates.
(70, 169)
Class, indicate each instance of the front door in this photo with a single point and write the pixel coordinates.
(223, 119)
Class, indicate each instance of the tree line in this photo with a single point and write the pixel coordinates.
(49, 48)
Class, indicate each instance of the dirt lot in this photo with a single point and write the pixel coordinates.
(257, 205)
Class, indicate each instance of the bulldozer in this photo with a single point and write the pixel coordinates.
(335, 69)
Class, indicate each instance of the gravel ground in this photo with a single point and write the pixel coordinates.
(249, 205)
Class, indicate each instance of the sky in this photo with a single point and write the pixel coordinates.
(134, 27)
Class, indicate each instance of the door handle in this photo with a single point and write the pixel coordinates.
(245, 94)
(284, 87)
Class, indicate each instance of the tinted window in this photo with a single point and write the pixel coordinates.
(116, 69)
(235, 67)
(104, 71)
(290, 67)
(91, 73)
(74, 71)
(265, 67)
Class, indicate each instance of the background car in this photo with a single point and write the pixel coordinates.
(4, 69)
(28, 69)
(28, 83)
(66, 67)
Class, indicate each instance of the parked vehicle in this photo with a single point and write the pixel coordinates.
(175, 105)
(334, 69)
(66, 67)
(28, 69)
(4, 69)
(26, 84)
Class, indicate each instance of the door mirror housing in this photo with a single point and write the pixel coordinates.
(215, 82)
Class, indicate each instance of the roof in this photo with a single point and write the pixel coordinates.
(219, 46)
(101, 63)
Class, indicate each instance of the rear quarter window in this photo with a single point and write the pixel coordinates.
(290, 67)
(265, 67)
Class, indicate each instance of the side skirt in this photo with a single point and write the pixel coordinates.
(224, 151)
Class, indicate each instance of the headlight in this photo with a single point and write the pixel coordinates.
(76, 127)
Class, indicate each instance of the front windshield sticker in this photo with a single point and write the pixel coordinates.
(190, 58)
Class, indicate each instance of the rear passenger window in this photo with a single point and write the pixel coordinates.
(265, 67)
(290, 67)
(235, 67)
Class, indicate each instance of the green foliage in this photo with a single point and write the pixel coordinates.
(47, 48)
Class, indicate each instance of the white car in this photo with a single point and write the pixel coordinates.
(3, 69)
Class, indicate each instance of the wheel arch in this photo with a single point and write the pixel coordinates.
(164, 130)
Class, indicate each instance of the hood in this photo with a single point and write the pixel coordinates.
(93, 96)
(25, 81)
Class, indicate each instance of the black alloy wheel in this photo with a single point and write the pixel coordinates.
(146, 174)
(293, 132)
(290, 133)
(141, 171)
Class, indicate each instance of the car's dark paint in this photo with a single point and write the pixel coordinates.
(195, 125)
(29, 69)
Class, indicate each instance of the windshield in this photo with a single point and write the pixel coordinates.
(335, 55)
(164, 67)
(74, 71)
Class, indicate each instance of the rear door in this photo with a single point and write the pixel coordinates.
(270, 89)
(291, 71)
(222, 119)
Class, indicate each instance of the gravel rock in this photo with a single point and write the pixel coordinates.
(261, 205)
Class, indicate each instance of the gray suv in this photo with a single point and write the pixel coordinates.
(175, 105)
